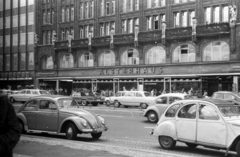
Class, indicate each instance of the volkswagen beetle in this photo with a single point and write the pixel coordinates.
(59, 114)
(212, 123)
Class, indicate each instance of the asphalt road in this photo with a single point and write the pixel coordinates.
(129, 130)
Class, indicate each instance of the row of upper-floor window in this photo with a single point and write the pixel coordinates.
(214, 51)
(15, 3)
(17, 20)
(48, 16)
(17, 39)
(17, 61)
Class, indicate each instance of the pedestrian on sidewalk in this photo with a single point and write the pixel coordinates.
(10, 130)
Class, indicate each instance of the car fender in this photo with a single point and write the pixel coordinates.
(74, 119)
(150, 108)
(21, 117)
(166, 128)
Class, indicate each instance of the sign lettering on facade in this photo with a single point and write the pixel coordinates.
(134, 71)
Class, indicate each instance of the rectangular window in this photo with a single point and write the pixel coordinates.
(1, 23)
(86, 10)
(136, 5)
(149, 3)
(30, 61)
(107, 7)
(30, 18)
(101, 29)
(102, 8)
(81, 11)
(149, 23)
(163, 3)
(63, 14)
(15, 39)
(86, 31)
(176, 1)
(23, 61)
(208, 15)
(156, 3)
(7, 40)
(113, 26)
(184, 19)
(216, 17)
(15, 4)
(53, 16)
(184, 1)
(91, 29)
(1, 41)
(44, 17)
(225, 14)
(30, 38)
(136, 22)
(163, 17)
(91, 9)
(107, 28)
(156, 21)
(113, 7)
(67, 33)
(124, 6)
(176, 20)
(130, 5)
(7, 22)
(81, 32)
(7, 4)
(15, 62)
(48, 16)
(22, 3)
(1, 62)
(130, 26)
(23, 39)
(191, 16)
(1, 9)
(7, 62)
(72, 13)
(67, 14)
(124, 26)
(30, 2)
(48, 37)
(22, 19)
(72, 32)
(44, 37)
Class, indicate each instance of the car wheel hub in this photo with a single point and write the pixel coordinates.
(166, 141)
(70, 132)
(152, 116)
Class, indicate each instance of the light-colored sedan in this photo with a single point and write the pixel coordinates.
(59, 114)
(156, 109)
(26, 94)
(131, 98)
(212, 123)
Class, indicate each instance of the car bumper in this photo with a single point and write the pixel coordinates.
(105, 128)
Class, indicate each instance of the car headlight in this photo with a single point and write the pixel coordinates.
(102, 120)
(84, 122)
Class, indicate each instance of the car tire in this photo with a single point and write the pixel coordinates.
(84, 103)
(143, 105)
(96, 135)
(71, 131)
(152, 117)
(108, 103)
(12, 100)
(21, 126)
(238, 148)
(116, 104)
(191, 145)
(166, 142)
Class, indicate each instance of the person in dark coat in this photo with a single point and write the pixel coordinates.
(10, 130)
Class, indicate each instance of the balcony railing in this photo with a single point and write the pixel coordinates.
(61, 44)
(178, 33)
(80, 43)
(150, 36)
(123, 38)
(101, 41)
(213, 29)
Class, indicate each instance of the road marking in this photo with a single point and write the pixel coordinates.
(148, 127)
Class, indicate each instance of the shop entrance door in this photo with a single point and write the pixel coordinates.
(140, 84)
(167, 84)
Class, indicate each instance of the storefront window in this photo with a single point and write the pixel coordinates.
(156, 55)
(130, 57)
(66, 61)
(15, 62)
(47, 62)
(107, 59)
(86, 60)
(184, 53)
(23, 61)
(216, 51)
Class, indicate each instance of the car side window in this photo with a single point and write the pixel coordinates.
(171, 112)
(188, 111)
(28, 92)
(207, 113)
(173, 99)
(130, 94)
(139, 95)
(34, 92)
(118, 94)
(228, 96)
(46, 104)
(218, 96)
(31, 105)
(161, 100)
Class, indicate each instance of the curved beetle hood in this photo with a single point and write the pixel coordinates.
(90, 117)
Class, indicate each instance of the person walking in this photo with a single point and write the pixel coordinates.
(10, 130)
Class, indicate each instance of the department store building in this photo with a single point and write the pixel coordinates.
(138, 44)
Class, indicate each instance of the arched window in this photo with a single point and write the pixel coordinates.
(86, 60)
(47, 62)
(216, 51)
(66, 61)
(184, 53)
(130, 57)
(107, 59)
(155, 55)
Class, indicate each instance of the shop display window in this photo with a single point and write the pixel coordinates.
(130, 57)
(47, 62)
(107, 58)
(86, 60)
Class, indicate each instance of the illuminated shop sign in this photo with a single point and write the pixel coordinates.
(131, 71)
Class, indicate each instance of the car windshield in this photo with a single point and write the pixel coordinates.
(66, 103)
(147, 94)
(230, 110)
(43, 92)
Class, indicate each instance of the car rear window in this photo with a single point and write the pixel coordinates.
(65, 103)
(43, 92)
(147, 94)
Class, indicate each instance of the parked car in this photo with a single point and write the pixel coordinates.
(162, 102)
(59, 114)
(26, 94)
(87, 97)
(212, 123)
(5, 91)
(233, 97)
(131, 98)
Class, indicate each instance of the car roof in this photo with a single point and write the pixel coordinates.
(217, 102)
(226, 92)
(51, 96)
(174, 94)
